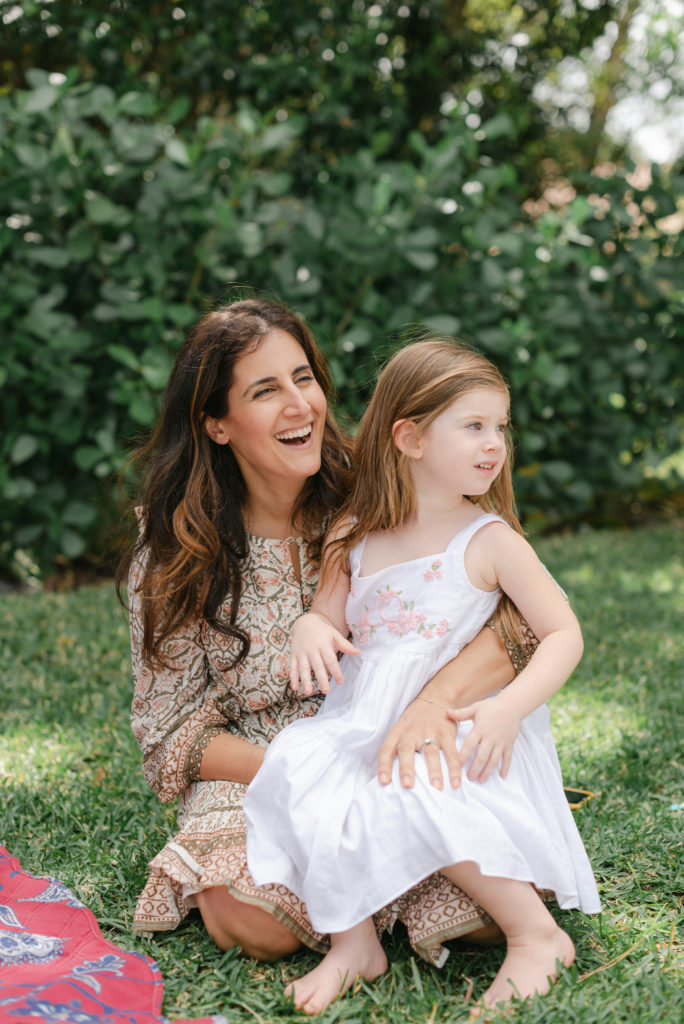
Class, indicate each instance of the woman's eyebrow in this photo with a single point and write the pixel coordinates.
(273, 380)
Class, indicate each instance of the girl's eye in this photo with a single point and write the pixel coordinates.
(474, 426)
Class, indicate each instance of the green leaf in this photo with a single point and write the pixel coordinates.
(178, 109)
(125, 356)
(79, 243)
(72, 544)
(142, 409)
(24, 447)
(137, 104)
(45, 323)
(86, 456)
(422, 238)
(499, 126)
(26, 535)
(443, 324)
(177, 152)
(48, 256)
(41, 99)
(276, 183)
(356, 337)
(35, 157)
(278, 136)
(180, 314)
(79, 513)
(423, 259)
(558, 471)
(101, 210)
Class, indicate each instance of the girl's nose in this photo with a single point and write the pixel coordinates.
(494, 440)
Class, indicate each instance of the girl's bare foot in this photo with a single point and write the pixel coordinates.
(355, 953)
(529, 967)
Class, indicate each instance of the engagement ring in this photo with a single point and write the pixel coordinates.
(430, 739)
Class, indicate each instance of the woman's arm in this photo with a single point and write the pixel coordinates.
(480, 669)
(175, 715)
(231, 757)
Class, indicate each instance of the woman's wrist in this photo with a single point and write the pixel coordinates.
(480, 669)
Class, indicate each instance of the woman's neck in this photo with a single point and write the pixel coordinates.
(273, 518)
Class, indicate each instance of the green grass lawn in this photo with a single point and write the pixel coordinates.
(74, 803)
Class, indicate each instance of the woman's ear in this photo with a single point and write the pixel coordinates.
(216, 429)
(407, 439)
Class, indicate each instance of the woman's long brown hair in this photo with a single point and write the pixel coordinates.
(193, 542)
(418, 384)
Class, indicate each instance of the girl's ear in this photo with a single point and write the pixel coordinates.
(216, 429)
(407, 439)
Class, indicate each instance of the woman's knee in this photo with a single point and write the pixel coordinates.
(231, 923)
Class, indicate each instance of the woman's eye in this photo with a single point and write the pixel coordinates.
(263, 391)
(305, 378)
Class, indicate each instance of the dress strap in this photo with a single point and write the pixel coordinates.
(464, 536)
(355, 556)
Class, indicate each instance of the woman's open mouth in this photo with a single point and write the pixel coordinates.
(295, 438)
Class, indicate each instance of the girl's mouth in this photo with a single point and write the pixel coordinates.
(295, 438)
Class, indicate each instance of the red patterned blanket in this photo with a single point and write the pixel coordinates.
(57, 967)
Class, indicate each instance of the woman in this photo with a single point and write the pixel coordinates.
(242, 473)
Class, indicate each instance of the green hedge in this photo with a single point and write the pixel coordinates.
(120, 226)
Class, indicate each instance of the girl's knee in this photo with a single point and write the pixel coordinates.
(231, 923)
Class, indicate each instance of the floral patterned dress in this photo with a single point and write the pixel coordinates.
(177, 711)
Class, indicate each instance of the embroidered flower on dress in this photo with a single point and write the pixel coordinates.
(433, 573)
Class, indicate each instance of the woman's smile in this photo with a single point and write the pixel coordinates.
(276, 415)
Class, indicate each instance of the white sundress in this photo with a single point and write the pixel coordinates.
(320, 823)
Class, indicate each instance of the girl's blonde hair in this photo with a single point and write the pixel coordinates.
(419, 383)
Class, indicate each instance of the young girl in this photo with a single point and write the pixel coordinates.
(425, 550)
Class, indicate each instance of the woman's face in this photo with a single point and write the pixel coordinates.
(276, 415)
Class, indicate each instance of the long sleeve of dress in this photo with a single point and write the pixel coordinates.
(174, 713)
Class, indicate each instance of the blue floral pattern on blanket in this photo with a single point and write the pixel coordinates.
(87, 971)
(57, 1013)
(8, 917)
(24, 948)
(54, 892)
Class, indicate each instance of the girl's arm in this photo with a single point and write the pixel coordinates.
(507, 559)
(481, 668)
(318, 635)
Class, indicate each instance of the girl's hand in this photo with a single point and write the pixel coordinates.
(494, 731)
(313, 648)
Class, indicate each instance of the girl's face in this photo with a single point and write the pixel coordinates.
(463, 450)
(276, 415)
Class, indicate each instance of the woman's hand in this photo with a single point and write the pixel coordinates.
(482, 667)
(313, 648)
(494, 732)
(425, 729)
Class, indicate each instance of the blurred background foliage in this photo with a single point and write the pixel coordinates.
(382, 167)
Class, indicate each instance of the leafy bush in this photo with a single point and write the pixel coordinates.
(119, 226)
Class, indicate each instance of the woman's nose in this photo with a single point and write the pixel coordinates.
(295, 401)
